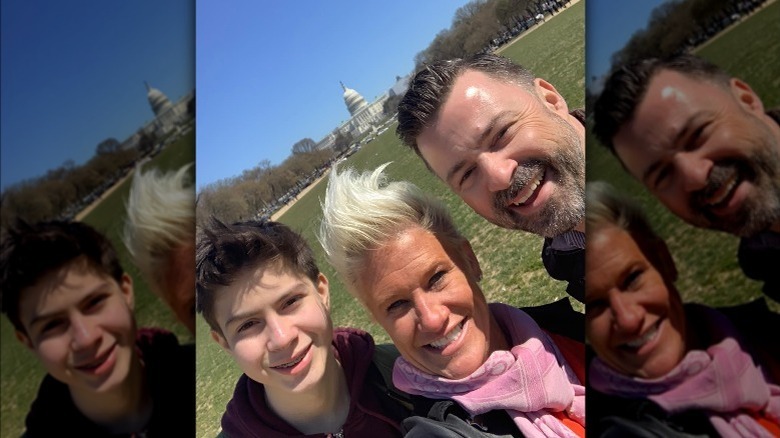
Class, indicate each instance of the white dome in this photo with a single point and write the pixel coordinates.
(354, 100)
(157, 100)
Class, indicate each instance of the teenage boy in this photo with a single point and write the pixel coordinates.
(71, 305)
(268, 306)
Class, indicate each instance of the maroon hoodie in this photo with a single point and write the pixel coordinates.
(248, 414)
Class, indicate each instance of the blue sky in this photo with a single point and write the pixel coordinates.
(609, 25)
(73, 75)
(269, 72)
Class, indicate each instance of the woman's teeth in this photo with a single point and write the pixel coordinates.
(448, 338)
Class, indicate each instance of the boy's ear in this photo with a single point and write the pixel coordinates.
(24, 339)
(323, 290)
(126, 287)
(219, 339)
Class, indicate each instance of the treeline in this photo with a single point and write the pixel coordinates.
(64, 191)
(680, 25)
(483, 25)
(263, 189)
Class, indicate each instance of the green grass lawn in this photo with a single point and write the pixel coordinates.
(513, 271)
(706, 260)
(20, 373)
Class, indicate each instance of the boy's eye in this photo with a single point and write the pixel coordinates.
(291, 301)
(52, 325)
(245, 326)
(96, 301)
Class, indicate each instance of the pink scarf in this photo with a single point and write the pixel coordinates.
(722, 380)
(529, 382)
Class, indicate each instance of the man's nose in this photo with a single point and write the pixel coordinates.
(693, 170)
(498, 170)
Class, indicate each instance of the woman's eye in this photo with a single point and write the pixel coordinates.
(435, 279)
(395, 305)
(631, 279)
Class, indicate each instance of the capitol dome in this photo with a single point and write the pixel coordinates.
(353, 99)
(157, 100)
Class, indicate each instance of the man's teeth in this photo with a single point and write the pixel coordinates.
(448, 338)
(528, 190)
(290, 364)
(723, 192)
(638, 342)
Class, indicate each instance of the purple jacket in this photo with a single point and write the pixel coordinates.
(248, 415)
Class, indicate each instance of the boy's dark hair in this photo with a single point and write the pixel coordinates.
(432, 85)
(29, 252)
(225, 252)
(626, 87)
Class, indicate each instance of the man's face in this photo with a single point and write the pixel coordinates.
(277, 327)
(635, 321)
(80, 326)
(426, 298)
(707, 152)
(509, 153)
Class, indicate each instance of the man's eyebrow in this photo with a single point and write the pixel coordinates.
(491, 126)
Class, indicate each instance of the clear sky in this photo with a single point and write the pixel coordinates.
(609, 26)
(268, 72)
(73, 75)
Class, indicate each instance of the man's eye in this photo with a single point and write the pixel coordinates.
(661, 177)
(466, 175)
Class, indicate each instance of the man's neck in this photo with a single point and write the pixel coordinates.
(321, 409)
(124, 409)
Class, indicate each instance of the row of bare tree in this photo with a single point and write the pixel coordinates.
(65, 190)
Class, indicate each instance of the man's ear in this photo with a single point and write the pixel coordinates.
(219, 339)
(24, 339)
(323, 290)
(551, 97)
(746, 97)
(126, 287)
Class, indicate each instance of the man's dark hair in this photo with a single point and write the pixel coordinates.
(29, 252)
(225, 252)
(626, 87)
(431, 86)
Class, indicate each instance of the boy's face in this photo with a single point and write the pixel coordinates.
(80, 326)
(277, 327)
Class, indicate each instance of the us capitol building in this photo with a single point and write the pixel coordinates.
(363, 118)
(170, 120)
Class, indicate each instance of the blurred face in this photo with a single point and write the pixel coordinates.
(180, 285)
(80, 326)
(707, 152)
(426, 298)
(510, 154)
(277, 327)
(634, 319)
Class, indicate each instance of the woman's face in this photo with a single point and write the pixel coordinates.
(634, 317)
(424, 294)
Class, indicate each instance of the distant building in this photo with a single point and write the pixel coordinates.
(364, 116)
(169, 118)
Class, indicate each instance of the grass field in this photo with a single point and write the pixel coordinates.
(706, 260)
(510, 260)
(20, 373)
